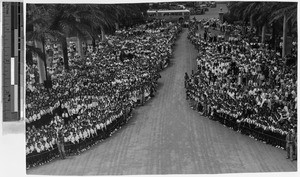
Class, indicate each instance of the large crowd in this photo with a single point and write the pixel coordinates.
(96, 95)
(243, 84)
(239, 82)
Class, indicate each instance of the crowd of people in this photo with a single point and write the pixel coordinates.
(244, 85)
(97, 94)
(241, 83)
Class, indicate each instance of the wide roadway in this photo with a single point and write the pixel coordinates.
(167, 137)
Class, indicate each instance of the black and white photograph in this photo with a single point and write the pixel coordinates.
(153, 88)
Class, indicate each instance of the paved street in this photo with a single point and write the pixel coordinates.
(167, 137)
(212, 12)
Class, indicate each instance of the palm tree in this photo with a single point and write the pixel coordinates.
(238, 8)
(287, 11)
(85, 21)
(130, 14)
(266, 13)
(102, 18)
(37, 31)
(63, 19)
(262, 12)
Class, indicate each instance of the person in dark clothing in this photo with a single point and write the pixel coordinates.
(205, 35)
(60, 143)
(289, 145)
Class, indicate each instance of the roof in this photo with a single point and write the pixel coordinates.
(153, 11)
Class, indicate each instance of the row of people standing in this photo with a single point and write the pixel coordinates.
(247, 88)
(98, 92)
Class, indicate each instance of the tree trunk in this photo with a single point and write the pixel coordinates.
(45, 58)
(29, 58)
(290, 28)
(251, 21)
(79, 48)
(117, 26)
(40, 63)
(102, 34)
(284, 36)
(94, 43)
(257, 32)
(263, 33)
(273, 35)
(65, 52)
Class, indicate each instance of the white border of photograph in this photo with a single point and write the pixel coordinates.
(12, 145)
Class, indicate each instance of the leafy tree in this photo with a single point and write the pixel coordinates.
(266, 14)
(85, 21)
